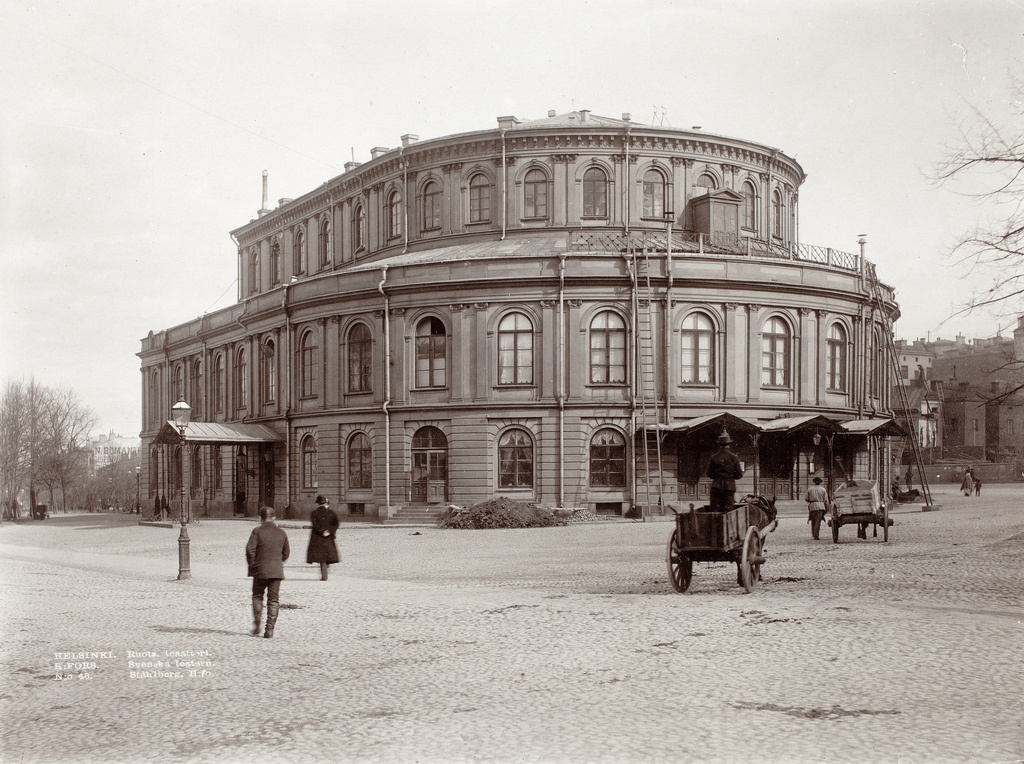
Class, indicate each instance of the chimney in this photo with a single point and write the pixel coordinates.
(283, 201)
(552, 112)
(378, 151)
(626, 116)
(584, 113)
(263, 210)
(349, 166)
(409, 138)
(506, 123)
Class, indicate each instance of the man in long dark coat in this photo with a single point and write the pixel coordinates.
(266, 552)
(724, 470)
(322, 547)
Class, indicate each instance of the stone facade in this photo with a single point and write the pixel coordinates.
(508, 311)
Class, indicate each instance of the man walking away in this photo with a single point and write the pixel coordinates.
(817, 504)
(266, 552)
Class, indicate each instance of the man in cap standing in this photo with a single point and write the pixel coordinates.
(724, 470)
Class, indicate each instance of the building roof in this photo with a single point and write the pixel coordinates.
(872, 427)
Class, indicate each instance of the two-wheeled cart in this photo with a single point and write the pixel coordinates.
(856, 502)
(736, 535)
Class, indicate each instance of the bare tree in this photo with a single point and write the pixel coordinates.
(14, 447)
(44, 436)
(65, 425)
(988, 165)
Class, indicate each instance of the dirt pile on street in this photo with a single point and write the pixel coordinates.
(498, 513)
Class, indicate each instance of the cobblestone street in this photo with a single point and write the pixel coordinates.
(543, 645)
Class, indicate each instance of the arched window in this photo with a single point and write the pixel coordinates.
(595, 193)
(607, 460)
(705, 182)
(154, 399)
(431, 353)
(535, 195)
(697, 350)
(749, 206)
(431, 206)
(241, 380)
(360, 359)
(268, 371)
(195, 469)
(154, 470)
(775, 343)
(835, 358)
(358, 228)
(324, 243)
(360, 462)
(309, 462)
(654, 195)
(879, 382)
(196, 392)
(778, 210)
(254, 272)
(217, 464)
(220, 381)
(178, 385)
(607, 348)
(479, 199)
(309, 365)
(393, 214)
(275, 262)
(298, 251)
(515, 350)
(515, 459)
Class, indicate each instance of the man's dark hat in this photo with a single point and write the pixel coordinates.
(320, 499)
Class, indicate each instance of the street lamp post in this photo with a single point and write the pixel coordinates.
(138, 495)
(182, 412)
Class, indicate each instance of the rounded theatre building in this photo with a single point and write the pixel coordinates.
(565, 311)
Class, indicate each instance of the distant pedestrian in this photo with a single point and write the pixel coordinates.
(322, 547)
(977, 486)
(967, 484)
(266, 552)
(817, 506)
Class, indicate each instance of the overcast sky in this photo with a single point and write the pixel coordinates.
(133, 135)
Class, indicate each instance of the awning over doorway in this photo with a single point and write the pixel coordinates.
(792, 424)
(215, 433)
(720, 420)
(871, 427)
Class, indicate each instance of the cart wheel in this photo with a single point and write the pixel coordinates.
(680, 566)
(750, 571)
(885, 522)
(835, 527)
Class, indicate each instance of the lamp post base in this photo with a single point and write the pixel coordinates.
(184, 554)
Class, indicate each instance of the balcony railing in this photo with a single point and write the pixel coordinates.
(711, 244)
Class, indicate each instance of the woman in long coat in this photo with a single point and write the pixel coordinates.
(322, 548)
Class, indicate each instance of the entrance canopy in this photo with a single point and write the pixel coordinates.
(790, 425)
(718, 422)
(793, 424)
(871, 427)
(215, 433)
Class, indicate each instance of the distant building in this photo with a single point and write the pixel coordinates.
(109, 449)
(978, 383)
